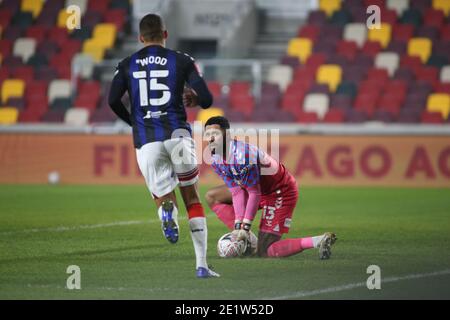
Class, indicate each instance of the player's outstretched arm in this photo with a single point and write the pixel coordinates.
(118, 88)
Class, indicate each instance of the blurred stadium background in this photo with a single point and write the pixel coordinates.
(354, 106)
(303, 67)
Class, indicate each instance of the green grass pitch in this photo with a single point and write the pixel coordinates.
(112, 234)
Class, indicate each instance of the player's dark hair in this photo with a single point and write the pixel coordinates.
(151, 28)
(221, 121)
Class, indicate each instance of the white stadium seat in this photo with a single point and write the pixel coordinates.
(398, 5)
(59, 89)
(76, 117)
(80, 3)
(445, 74)
(316, 102)
(24, 48)
(85, 63)
(281, 75)
(356, 32)
(388, 61)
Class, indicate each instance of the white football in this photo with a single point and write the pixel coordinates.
(229, 247)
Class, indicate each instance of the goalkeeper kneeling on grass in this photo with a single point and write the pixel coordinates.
(248, 188)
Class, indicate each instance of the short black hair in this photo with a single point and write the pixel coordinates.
(221, 121)
(151, 27)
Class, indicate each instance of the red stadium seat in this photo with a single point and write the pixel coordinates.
(371, 86)
(307, 117)
(70, 48)
(379, 3)
(300, 86)
(411, 62)
(403, 32)
(445, 32)
(397, 87)
(432, 117)
(377, 75)
(31, 115)
(37, 103)
(37, 32)
(334, 116)
(98, 5)
(428, 74)
(433, 18)
(390, 103)
(36, 89)
(191, 114)
(5, 48)
(313, 62)
(309, 31)
(243, 103)
(442, 87)
(347, 49)
(88, 94)
(117, 17)
(58, 35)
(25, 73)
(292, 102)
(92, 87)
(304, 73)
(5, 17)
(366, 103)
(371, 48)
(389, 16)
(239, 88)
(59, 62)
(215, 87)
(86, 101)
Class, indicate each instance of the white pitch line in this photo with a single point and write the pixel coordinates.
(303, 294)
(86, 226)
(75, 228)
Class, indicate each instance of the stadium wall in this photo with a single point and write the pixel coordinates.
(316, 160)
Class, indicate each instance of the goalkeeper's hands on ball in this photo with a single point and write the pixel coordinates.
(242, 230)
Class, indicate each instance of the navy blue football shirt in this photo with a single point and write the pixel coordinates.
(155, 78)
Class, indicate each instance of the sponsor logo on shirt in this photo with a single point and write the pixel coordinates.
(154, 115)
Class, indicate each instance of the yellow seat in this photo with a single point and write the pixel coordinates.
(63, 15)
(12, 88)
(94, 49)
(301, 48)
(8, 115)
(420, 47)
(443, 5)
(205, 114)
(439, 102)
(105, 34)
(382, 35)
(329, 6)
(330, 74)
(33, 6)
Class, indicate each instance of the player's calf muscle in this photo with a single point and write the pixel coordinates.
(265, 240)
